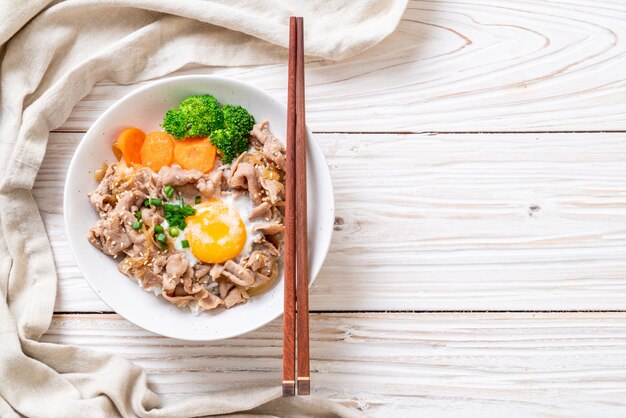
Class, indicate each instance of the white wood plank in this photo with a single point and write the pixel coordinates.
(398, 365)
(471, 65)
(444, 222)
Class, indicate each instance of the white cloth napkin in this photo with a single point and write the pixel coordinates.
(52, 53)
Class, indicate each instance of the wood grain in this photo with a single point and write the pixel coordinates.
(444, 222)
(302, 251)
(477, 65)
(289, 251)
(398, 365)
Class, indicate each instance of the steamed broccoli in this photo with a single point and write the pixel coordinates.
(196, 116)
(230, 143)
(201, 116)
(236, 118)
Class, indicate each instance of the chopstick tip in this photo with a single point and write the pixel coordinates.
(289, 388)
(304, 386)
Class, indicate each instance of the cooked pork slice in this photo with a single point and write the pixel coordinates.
(210, 184)
(246, 178)
(102, 198)
(109, 234)
(188, 192)
(263, 245)
(209, 301)
(233, 166)
(178, 176)
(269, 229)
(138, 238)
(150, 279)
(260, 280)
(274, 189)
(169, 283)
(273, 149)
(176, 265)
(129, 198)
(264, 210)
(260, 262)
(188, 282)
(234, 272)
(216, 271)
(126, 268)
(158, 264)
(235, 296)
(224, 288)
(238, 274)
(137, 251)
(150, 216)
(200, 270)
(180, 301)
(145, 180)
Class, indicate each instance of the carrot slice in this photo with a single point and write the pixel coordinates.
(157, 150)
(195, 153)
(129, 143)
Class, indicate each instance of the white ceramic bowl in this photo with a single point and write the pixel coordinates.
(144, 108)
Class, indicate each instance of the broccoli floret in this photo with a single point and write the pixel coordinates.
(236, 118)
(229, 143)
(174, 123)
(196, 116)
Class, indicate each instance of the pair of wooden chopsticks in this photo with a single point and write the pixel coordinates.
(296, 326)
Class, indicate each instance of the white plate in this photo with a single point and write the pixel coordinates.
(144, 108)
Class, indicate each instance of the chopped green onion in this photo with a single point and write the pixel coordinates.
(169, 191)
(162, 238)
(184, 243)
(174, 232)
(138, 215)
(198, 199)
(156, 202)
(137, 225)
(188, 210)
(158, 228)
(175, 214)
(146, 203)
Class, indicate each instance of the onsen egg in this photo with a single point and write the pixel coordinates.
(216, 233)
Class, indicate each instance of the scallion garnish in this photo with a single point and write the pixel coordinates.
(138, 215)
(146, 203)
(184, 243)
(175, 214)
(174, 232)
(137, 225)
(188, 210)
(156, 202)
(158, 228)
(162, 238)
(169, 191)
(198, 199)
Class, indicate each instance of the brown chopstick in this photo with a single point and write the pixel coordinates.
(302, 263)
(289, 316)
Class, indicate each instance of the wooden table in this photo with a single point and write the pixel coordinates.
(478, 265)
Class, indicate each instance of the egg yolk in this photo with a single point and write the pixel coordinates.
(216, 232)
